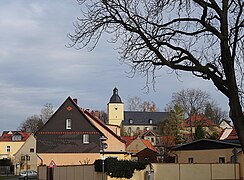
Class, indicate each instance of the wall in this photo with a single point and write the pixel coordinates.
(240, 159)
(25, 150)
(68, 158)
(161, 172)
(14, 147)
(200, 155)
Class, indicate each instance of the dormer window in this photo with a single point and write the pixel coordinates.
(16, 138)
(150, 121)
(130, 121)
(68, 123)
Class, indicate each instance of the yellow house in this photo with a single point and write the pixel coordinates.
(26, 158)
(10, 143)
(205, 151)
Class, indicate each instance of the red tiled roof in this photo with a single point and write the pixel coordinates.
(7, 135)
(149, 145)
(196, 119)
(232, 135)
(128, 139)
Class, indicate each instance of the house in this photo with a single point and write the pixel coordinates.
(205, 151)
(190, 124)
(142, 149)
(72, 136)
(132, 122)
(136, 121)
(150, 136)
(26, 158)
(10, 143)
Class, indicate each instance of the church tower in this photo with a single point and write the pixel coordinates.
(115, 109)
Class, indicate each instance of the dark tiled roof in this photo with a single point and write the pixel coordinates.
(205, 144)
(143, 118)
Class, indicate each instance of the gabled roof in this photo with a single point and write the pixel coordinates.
(225, 121)
(128, 139)
(77, 107)
(197, 119)
(100, 122)
(147, 133)
(8, 135)
(139, 144)
(149, 145)
(206, 144)
(143, 118)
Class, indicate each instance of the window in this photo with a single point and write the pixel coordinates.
(68, 123)
(129, 130)
(152, 140)
(32, 150)
(150, 121)
(190, 160)
(8, 149)
(130, 121)
(221, 160)
(16, 138)
(137, 130)
(85, 138)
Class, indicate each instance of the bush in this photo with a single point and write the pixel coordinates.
(119, 168)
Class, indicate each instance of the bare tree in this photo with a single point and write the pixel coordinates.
(137, 104)
(196, 101)
(204, 37)
(35, 122)
(192, 101)
(31, 124)
(46, 112)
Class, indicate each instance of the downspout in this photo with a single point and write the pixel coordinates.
(40, 158)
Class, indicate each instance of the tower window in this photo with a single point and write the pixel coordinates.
(68, 123)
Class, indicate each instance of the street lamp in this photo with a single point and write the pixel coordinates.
(103, 146)
(27, 158)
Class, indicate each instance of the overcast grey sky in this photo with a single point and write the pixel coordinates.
(36, 68)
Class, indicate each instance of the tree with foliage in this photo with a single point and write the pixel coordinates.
(137, 104)
(199, 132)
(173, 125)
(204, 37)
(196, 101)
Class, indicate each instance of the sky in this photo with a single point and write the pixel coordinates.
(36, 67)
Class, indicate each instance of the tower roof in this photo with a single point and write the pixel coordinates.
(115, 97)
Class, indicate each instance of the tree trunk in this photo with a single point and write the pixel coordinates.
(237, 117)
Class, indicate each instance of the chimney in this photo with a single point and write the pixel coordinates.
(75, 100)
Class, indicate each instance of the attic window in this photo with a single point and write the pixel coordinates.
(68, 123)
(85, 138)
(150, 121)
(16, 138)
(130, 121)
